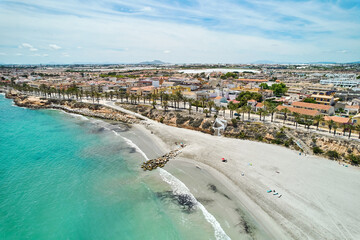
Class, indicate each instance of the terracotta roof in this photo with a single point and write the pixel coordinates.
(218, 97)
(252, 100)
(301, 111)
(337, 119)
(234, 101)
(311, 105)
(259, 105)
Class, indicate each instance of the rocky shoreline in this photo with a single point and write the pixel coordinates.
(71, 106)
(343, 149)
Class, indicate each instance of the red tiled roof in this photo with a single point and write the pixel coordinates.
(311, 105)
(301, 111)
(252, 100)
(337, 119)
(259, 105)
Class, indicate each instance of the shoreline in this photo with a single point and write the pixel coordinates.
(307, 209)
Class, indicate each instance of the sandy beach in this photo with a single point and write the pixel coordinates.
(319, 198)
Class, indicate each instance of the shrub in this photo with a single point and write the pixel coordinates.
(234, 122)
(197, 123)
(161, 119)
(354, 159)
(317, 150)
(206, 124)
(333, 154)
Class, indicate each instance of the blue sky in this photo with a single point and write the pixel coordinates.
(180, 31)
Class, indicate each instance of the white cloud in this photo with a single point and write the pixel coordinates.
(28, 46)
(343, 51)
(167, 51)
(18, 54)
(65, 54)
(54, 47)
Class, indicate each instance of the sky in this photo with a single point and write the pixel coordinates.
(179, 31)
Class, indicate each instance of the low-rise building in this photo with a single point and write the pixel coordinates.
(324, 109)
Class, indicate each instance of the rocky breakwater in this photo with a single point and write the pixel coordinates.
(161, 161)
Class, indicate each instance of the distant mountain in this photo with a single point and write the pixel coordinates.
(263, 62)
(154, 62)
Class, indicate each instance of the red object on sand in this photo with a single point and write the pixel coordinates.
(223, 159)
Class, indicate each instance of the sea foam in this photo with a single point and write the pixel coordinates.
(180, 188)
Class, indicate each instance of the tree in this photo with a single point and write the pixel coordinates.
(248, 109)
(271, 108)
(197, 104)
(278, 89)
(357, 128)
(350, 127)
(238, 111)
(264, 86)
(309, 100)
(190, 101)
(210, 105)
(330, 125)
(261, 111)
(223, 108)
(318, 119)
(297, 118)
(286, 111)
(244, 97)
(206, 112)
(165, 105)
(243, 110)
(335, 126)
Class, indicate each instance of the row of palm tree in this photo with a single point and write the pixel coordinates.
(308, 121)
(173, 100)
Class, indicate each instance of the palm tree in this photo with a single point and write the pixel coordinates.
(197, 103)
(248, 109)
(243, 110)
(206, 112)
(210, 105)
(271, 108)
(330, 124)
(286, 111)
(318, 119)
(153, 104)
(350, 127)
(165, 105)
(335, 126)
(308, 121)
(203, 99)
(297, 118)
(190, 101)
(223, 108)
(261, 111)
(217, 108)
(344, 127)
(357, 128)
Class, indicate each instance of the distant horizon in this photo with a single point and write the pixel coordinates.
(189, 63)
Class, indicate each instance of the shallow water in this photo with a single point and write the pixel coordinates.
(67, 177)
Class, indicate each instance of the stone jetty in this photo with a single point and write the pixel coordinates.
(161, 161)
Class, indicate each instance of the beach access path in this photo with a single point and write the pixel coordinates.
(320, 198)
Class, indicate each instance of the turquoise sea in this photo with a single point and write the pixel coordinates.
(68, 177)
